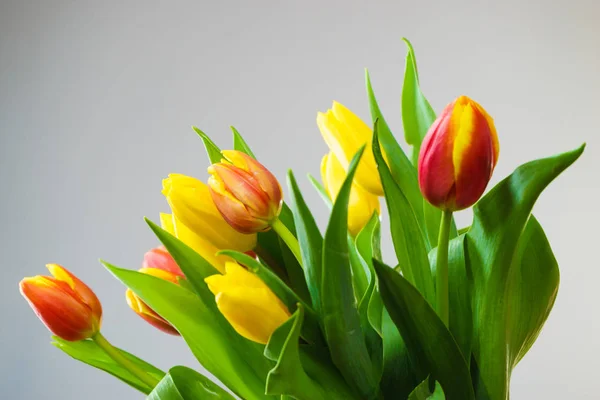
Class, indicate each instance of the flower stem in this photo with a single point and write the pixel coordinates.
(119, 358)
(441, 269)
(288, 237)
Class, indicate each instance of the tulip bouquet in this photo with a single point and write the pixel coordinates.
(276, 308)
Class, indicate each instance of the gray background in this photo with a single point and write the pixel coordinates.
(97, 99)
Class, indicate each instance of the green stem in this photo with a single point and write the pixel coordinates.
(119, 358)
(288, 237)
(441, 269)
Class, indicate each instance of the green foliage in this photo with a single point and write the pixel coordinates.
(183, 383)
(431, 346)
(338, 306)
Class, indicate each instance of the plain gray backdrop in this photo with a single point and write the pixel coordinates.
(97, 99)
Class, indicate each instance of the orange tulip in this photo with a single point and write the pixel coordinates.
(246, 194)
(159, 263)
(66, 305)
(458, 156)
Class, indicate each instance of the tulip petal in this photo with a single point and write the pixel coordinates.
(192, 204)
(160, 258)
(251, 312)
(79, 288)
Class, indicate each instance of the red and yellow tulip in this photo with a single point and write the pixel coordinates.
(247, 303)
(247, 194)
(458, 155)
(159, 263)
(66, 305)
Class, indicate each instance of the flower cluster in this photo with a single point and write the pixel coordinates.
(271, 306)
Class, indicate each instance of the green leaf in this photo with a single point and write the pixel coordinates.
(310, 240)
(409, 243)
(240, 144)
(235, 361)
(338, 306)
(493, 246)
(183, 383)
(534, 280)
(424, 392)
(400, 166)
(311, 331)
(88, 352)
(417, 114)
(431, 346)
(321, 191)
(288, 377)
(212, 150)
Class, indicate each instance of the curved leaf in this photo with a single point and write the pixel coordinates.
(492, 246)
(235, 361)
(87, 351)
(183, 383)
(310, 240)
(417, 114)
(340, 316)
(431, 346)
(407, 236)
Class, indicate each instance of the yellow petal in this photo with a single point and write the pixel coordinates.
(361, 204)
(192, 204)
(166, 222)
(252, 312)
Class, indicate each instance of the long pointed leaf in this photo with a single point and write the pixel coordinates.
(428, 341)
(338, 306)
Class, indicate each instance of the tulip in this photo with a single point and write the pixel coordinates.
(193, 207)
(249, 305)
(245, 192)
(66, 305)
(345, 134)
(361, 205)
(458, 156)
(202, 246)
(159, 263)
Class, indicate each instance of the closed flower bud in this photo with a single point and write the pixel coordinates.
(345, 134)
(159, 263)
(194, 208)
(249, 305)
(246, 193)
(66, 305)
(458, 156)
(361, 205)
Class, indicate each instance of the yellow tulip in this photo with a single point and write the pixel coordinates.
(193, 206)
(200, 245)
(251, 308)
(345, 134)
(361, 205)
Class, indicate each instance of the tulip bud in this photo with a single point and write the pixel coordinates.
(159, 263)
(194, 209)
(361, 205)
(66, 305)
(345, 134)
(246, 193)
(458, 156)
(249, 305)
